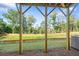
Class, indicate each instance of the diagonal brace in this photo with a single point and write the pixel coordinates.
(73, 9)
(17, 7)
(51, 11)
(40, 11)
(62, 11)
(26, 9)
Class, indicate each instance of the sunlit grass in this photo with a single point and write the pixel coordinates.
(40, 44)
(35, 36)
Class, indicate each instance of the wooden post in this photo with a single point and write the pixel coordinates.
(68, 29)
(46, 29)
(45, 25)
(20, 34)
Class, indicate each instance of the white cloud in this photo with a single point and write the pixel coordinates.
(8, 5)
(71, 8)
(11, 1)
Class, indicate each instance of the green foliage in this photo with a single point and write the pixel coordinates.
(53, 17)
(12, 16)
(8, 29)
(72, 23)
(2, 26)
(41, 29)
(28, 24)
(53, 23)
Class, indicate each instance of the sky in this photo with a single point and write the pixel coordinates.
(33, 11)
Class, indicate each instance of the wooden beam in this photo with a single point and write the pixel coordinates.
(64, 5)
(62, 12)
(20, 34)
(40, 11)
(27, 9)
(51, 11)
(73, 9)
(68, 30)
(46, 48)
(17, 7)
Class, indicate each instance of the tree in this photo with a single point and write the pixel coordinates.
(25, 25)
(4, 28)
(8, 29)
(52, 21)
(72, 23)
(12, 15)
(77, 25)
(63, 26)
(30, 22)
(2, 25)
(13, 18)
(41, 29)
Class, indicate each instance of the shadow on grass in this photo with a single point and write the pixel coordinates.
(3, 36)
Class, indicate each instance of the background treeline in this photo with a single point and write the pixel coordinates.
(54, 26)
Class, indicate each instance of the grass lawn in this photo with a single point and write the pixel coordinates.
(30, 36)
(38, 44)
(35, 36)
(35, 45)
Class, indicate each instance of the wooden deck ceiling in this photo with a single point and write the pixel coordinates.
(61, 5)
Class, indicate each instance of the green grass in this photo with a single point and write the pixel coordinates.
(9, 47)
(32, 36)
(35, 36)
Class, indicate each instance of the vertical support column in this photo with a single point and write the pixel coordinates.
(20, 34)
(68, 29)
(46, 29)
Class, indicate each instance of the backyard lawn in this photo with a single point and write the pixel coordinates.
(31, 36)
(35, 36)
(33, 45)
